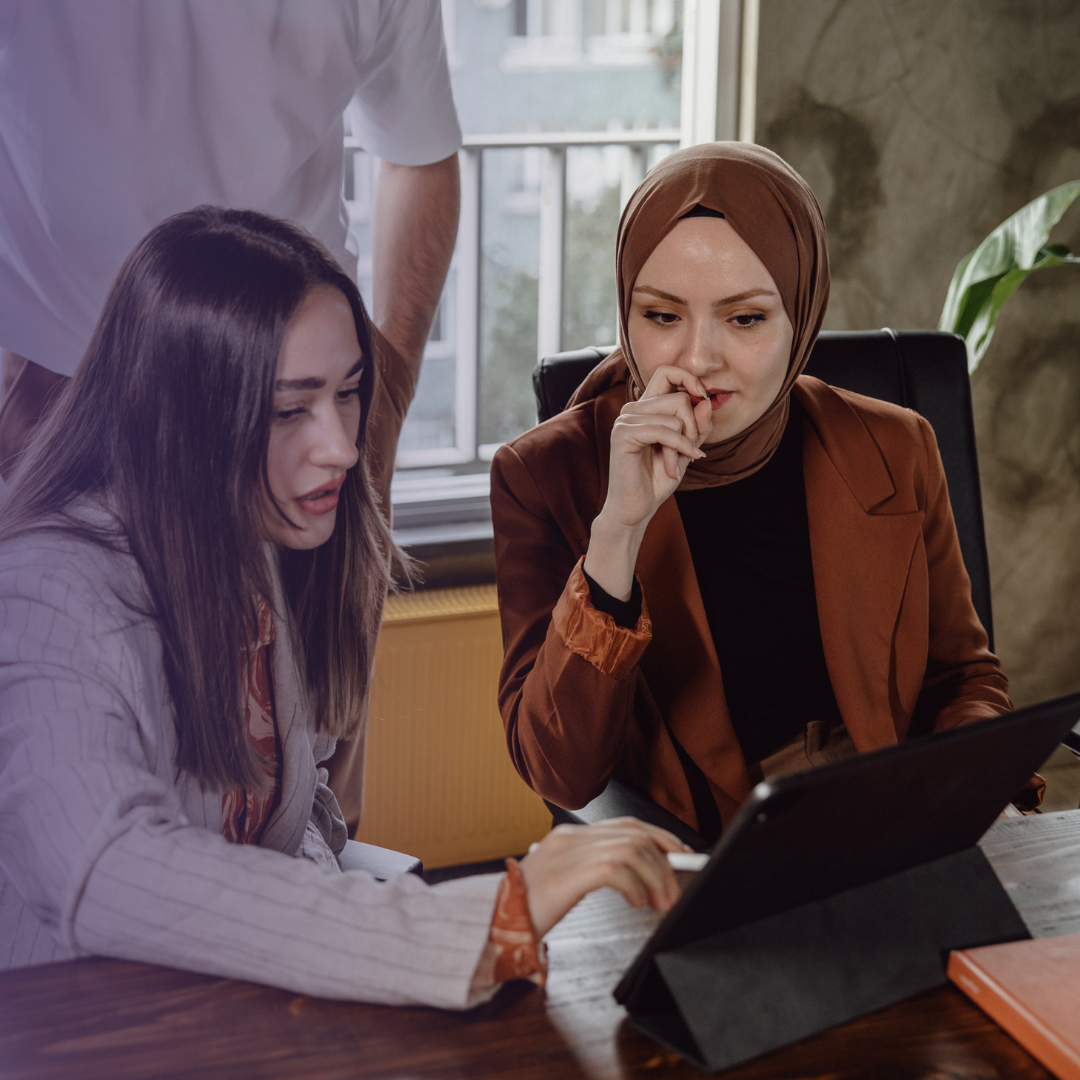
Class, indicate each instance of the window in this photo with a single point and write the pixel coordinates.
(565, 105)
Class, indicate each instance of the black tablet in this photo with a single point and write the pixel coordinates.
(809, 835)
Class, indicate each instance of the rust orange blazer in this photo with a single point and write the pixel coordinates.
(583, 699)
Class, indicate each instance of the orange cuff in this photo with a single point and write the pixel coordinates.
(1031, 795)
(519, 954)
(595, 636)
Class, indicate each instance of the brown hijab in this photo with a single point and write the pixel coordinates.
(774, 211)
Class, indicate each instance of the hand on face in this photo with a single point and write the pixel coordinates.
(653, 441)
(316, 420)
(624, 854)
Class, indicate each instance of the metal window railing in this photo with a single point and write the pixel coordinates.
(468, 259)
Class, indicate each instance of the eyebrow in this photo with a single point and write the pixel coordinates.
(313, 383)
(734, 299)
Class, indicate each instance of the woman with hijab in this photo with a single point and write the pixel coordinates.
(192, 571)
(711, 567)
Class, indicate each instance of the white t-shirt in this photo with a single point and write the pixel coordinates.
(115, 114)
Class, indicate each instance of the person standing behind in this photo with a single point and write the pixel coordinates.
(117, 114)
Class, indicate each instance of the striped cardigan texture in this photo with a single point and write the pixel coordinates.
(105, 850)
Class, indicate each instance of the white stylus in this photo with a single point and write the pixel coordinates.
(687, 860)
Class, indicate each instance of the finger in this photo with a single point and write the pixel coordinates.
(621, 854)
(640, 855)
(668, 420)
(664, 842)
(667, 380)
(633, 438)
(686, 413)
(662, 873)
(639, 845)
(614, 873)
(703, 418)
(672, 463)
(663, 839)
(695, 420)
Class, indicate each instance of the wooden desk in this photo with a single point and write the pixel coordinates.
(115, 1020)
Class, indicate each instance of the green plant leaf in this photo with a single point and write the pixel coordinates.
(986, 277)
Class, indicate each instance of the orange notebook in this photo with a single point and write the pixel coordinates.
(1032, 989)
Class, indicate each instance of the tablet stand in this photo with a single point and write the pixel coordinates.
(734, 995)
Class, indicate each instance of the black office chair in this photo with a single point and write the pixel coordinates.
(922, 369)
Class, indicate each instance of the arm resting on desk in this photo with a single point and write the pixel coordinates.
(98, 855)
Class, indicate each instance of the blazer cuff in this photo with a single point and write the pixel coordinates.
(594, 636)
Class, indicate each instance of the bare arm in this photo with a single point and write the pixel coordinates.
(414, 226)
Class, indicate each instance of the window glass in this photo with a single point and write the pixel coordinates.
(535, 67)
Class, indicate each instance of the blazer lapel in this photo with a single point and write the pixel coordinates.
(862, 551)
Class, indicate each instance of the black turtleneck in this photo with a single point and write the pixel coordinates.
(750, 542)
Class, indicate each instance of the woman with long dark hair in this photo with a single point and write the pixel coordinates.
(711, 567)
(192, 572)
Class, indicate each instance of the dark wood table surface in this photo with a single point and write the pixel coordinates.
(118, 1020)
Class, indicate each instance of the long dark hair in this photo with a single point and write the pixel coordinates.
(168, 419)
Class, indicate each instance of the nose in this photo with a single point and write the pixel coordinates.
(332, 445)
(703, 352)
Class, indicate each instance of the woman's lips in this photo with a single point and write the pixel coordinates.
(323, 499)
(716, 398)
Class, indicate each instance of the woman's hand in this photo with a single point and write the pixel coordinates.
(653, 441)
(572, 860)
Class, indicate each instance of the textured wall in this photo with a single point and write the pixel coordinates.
(921, 124)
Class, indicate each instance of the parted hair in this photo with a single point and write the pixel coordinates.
(167, 420)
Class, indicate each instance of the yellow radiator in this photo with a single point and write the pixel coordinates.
(438, 781)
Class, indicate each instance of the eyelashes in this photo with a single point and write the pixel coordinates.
(668, 318)
(342, 397)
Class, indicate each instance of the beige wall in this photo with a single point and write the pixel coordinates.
(921, 124)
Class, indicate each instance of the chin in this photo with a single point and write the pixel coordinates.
(308, 541)
(304, 539)
(304, 543)
(720, 432)
(730, 427)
